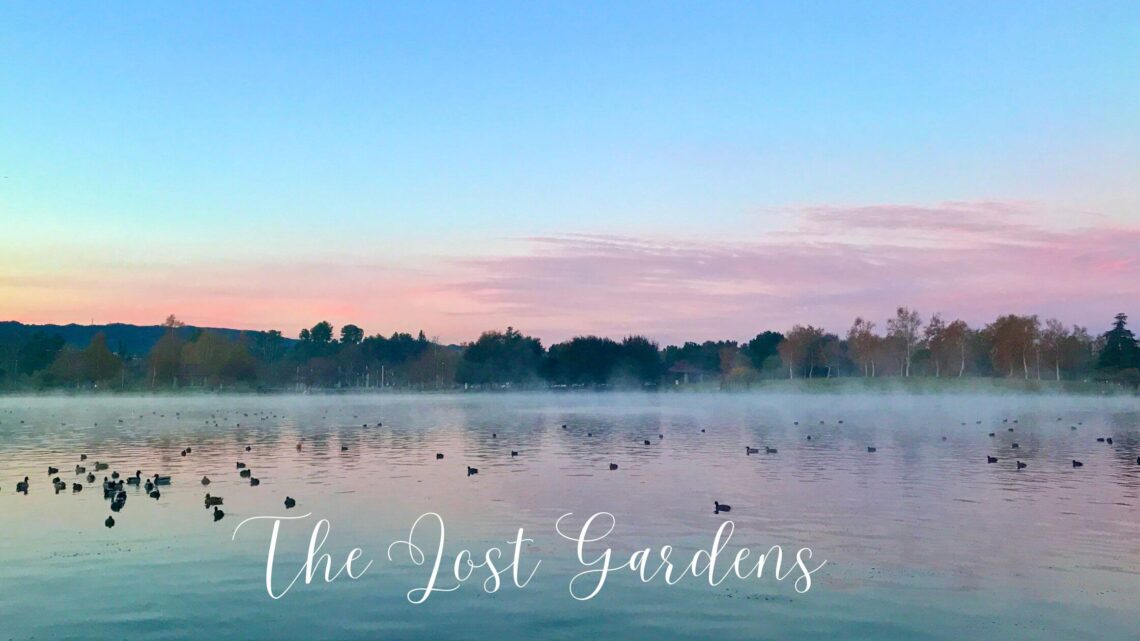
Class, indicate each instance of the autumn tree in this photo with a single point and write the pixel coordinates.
(903, 330)
(955, 339)
(863, 344)
(934, 336)
(799, 348)
(1053, 341)
(1013, 342)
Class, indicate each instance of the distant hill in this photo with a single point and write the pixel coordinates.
(135, 339)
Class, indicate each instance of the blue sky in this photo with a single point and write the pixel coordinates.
(140, 134)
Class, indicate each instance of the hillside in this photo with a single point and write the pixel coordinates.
(134, 339)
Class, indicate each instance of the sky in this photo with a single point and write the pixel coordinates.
(687, 171)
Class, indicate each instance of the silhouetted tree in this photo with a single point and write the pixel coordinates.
(351, 334)
(583, 360)
(98, 362)
(1120, 350)
(761, 348)
(500, 358)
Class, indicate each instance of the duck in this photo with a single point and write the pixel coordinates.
(992, 435)
(110, 522)
(154, 494)
(189, 450)
(439, 456)
(76, 487)
(79, 469)
(1015, 445)
(245, 473)
(161, 480)
(751, 450)
(58, 485)
(1108, 440)
(101, 466)
(646, 441)
(183, 453)
(1100, 439)
(721, 507)
(1021, 465)
(472, 470)
(115, 475)
(82, 457)
(1077, 463)
(770, 450)
(118, 502)
(247, 448)
(22, 486)
(516, 452)
(218, 514)
(872, 449)
(211, 501)
(344, 448)
(614, 466)
(240, 465)
(149, 486)
(254, 482)
(809, 437)
(90, 477)
(290, 503)
(991, 459)
(205, 480)
(52, 470)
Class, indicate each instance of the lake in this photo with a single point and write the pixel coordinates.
(923, 539)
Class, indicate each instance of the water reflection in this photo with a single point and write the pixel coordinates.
(924, 538)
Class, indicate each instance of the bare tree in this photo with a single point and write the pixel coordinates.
(935, 336)
(904, 329)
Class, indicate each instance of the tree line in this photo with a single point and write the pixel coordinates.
(1012, 346)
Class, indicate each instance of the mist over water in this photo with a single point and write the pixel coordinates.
(923, 539)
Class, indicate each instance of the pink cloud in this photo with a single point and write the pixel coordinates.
(968, 260)
(973, 260)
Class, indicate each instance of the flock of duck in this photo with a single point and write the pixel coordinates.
(115, 485)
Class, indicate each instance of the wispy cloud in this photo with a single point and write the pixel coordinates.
(827, 265)
(967, 259)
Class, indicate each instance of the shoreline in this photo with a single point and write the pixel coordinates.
(820, 386)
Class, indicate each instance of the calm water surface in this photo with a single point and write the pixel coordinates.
(923, 539)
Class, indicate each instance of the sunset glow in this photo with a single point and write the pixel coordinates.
(516, 166)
